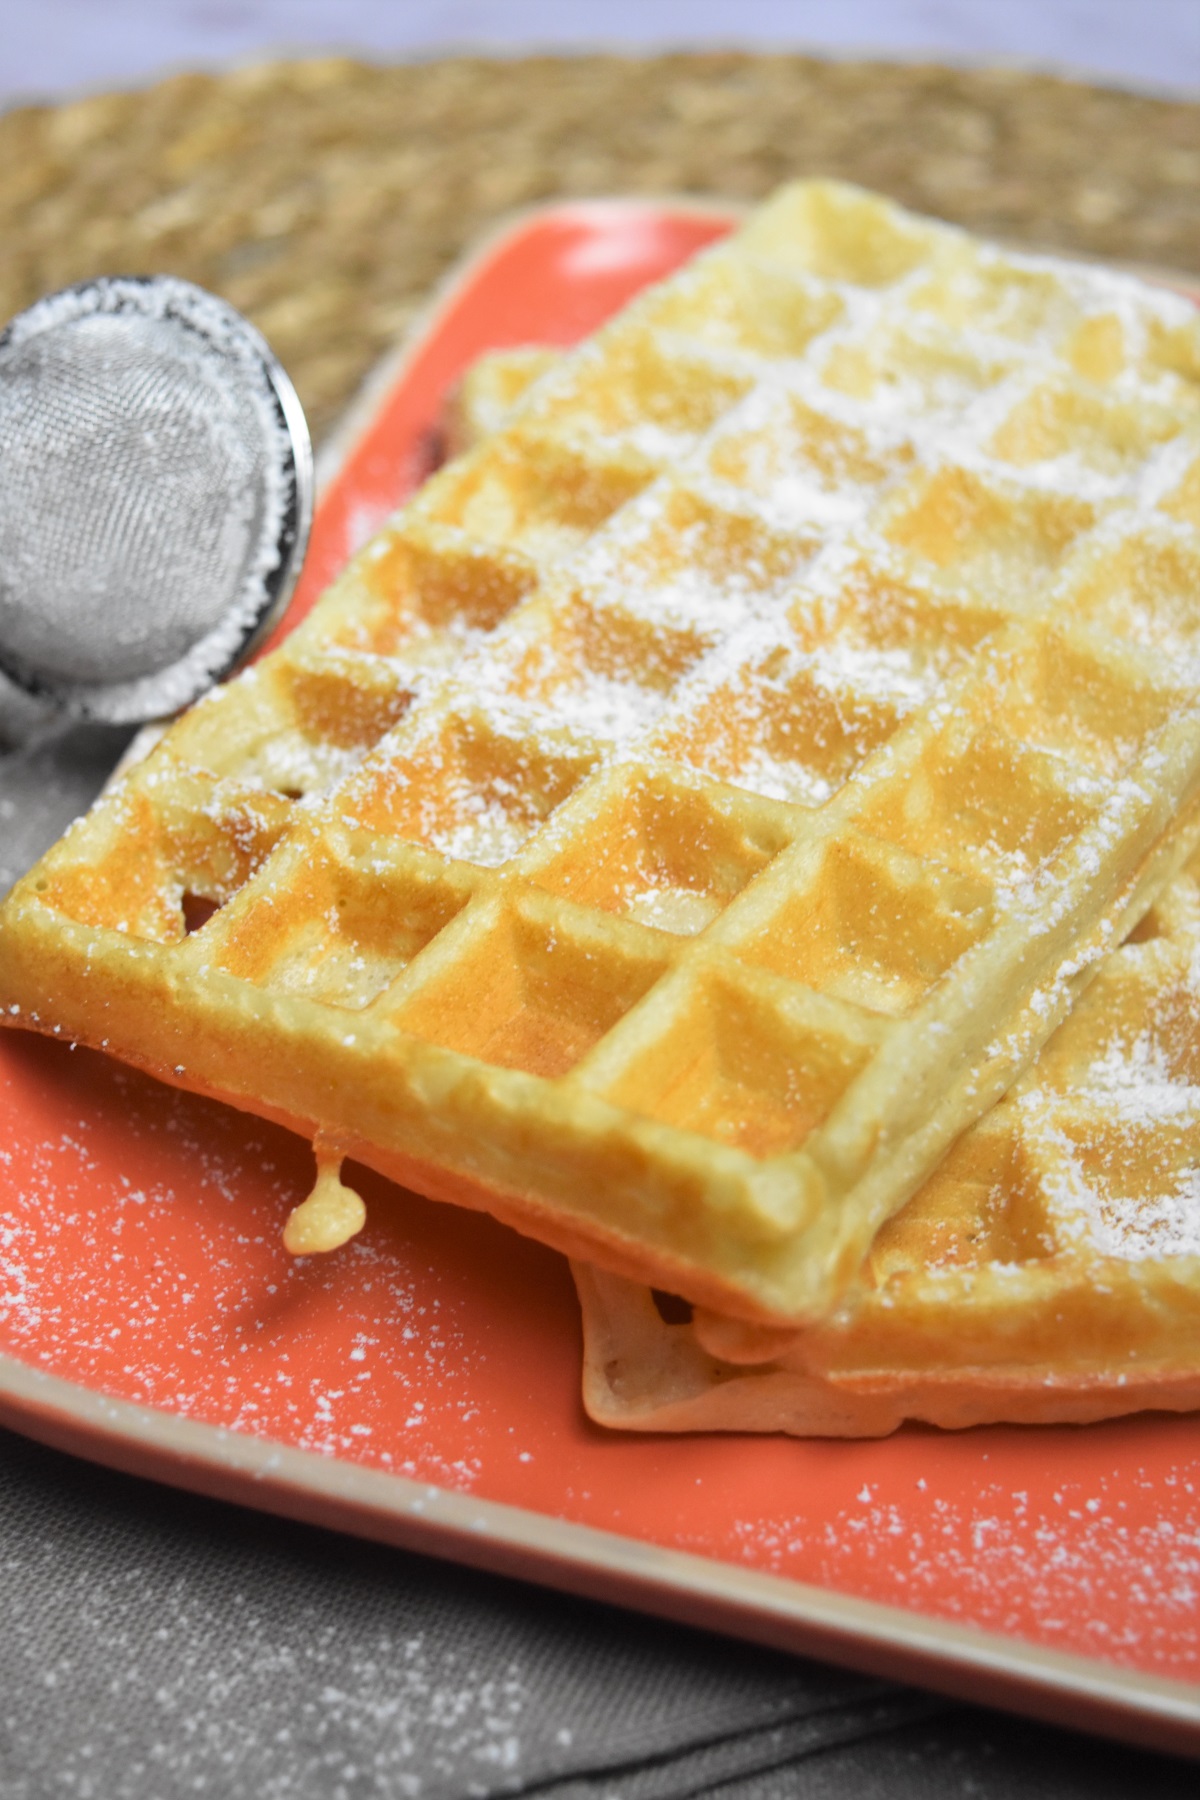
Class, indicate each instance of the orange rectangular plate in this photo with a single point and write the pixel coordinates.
(421, 1385)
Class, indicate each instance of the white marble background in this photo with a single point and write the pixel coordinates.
(55, 47)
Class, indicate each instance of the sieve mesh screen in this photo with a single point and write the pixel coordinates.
(147, 490)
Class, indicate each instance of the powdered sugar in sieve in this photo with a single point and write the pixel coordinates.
(155, 495)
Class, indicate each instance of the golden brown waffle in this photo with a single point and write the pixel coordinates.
(1048, 1271)
(795, 701)
(488, 394)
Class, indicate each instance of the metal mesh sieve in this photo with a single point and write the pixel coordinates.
(155, 495)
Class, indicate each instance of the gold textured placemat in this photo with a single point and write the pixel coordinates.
(325, 197)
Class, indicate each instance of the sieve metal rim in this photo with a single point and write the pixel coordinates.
(263, 596)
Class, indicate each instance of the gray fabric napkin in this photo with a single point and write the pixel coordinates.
(155, 1644)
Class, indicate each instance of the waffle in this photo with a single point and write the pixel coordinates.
(484, 400)
(700, 802)
(1049, 1271)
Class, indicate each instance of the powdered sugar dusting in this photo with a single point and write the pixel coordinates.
(1147, 1226)
(411, 1352)
(1121, 1204)
(188, 1300)
(1137, 1081)
(1076, 1558)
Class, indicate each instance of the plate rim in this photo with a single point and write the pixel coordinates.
(963, 1661)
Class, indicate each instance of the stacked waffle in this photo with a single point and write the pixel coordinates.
(699, 805)
(1049, 1270)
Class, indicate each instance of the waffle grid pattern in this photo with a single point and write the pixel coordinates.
(692, 811)
(1049, 1270)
